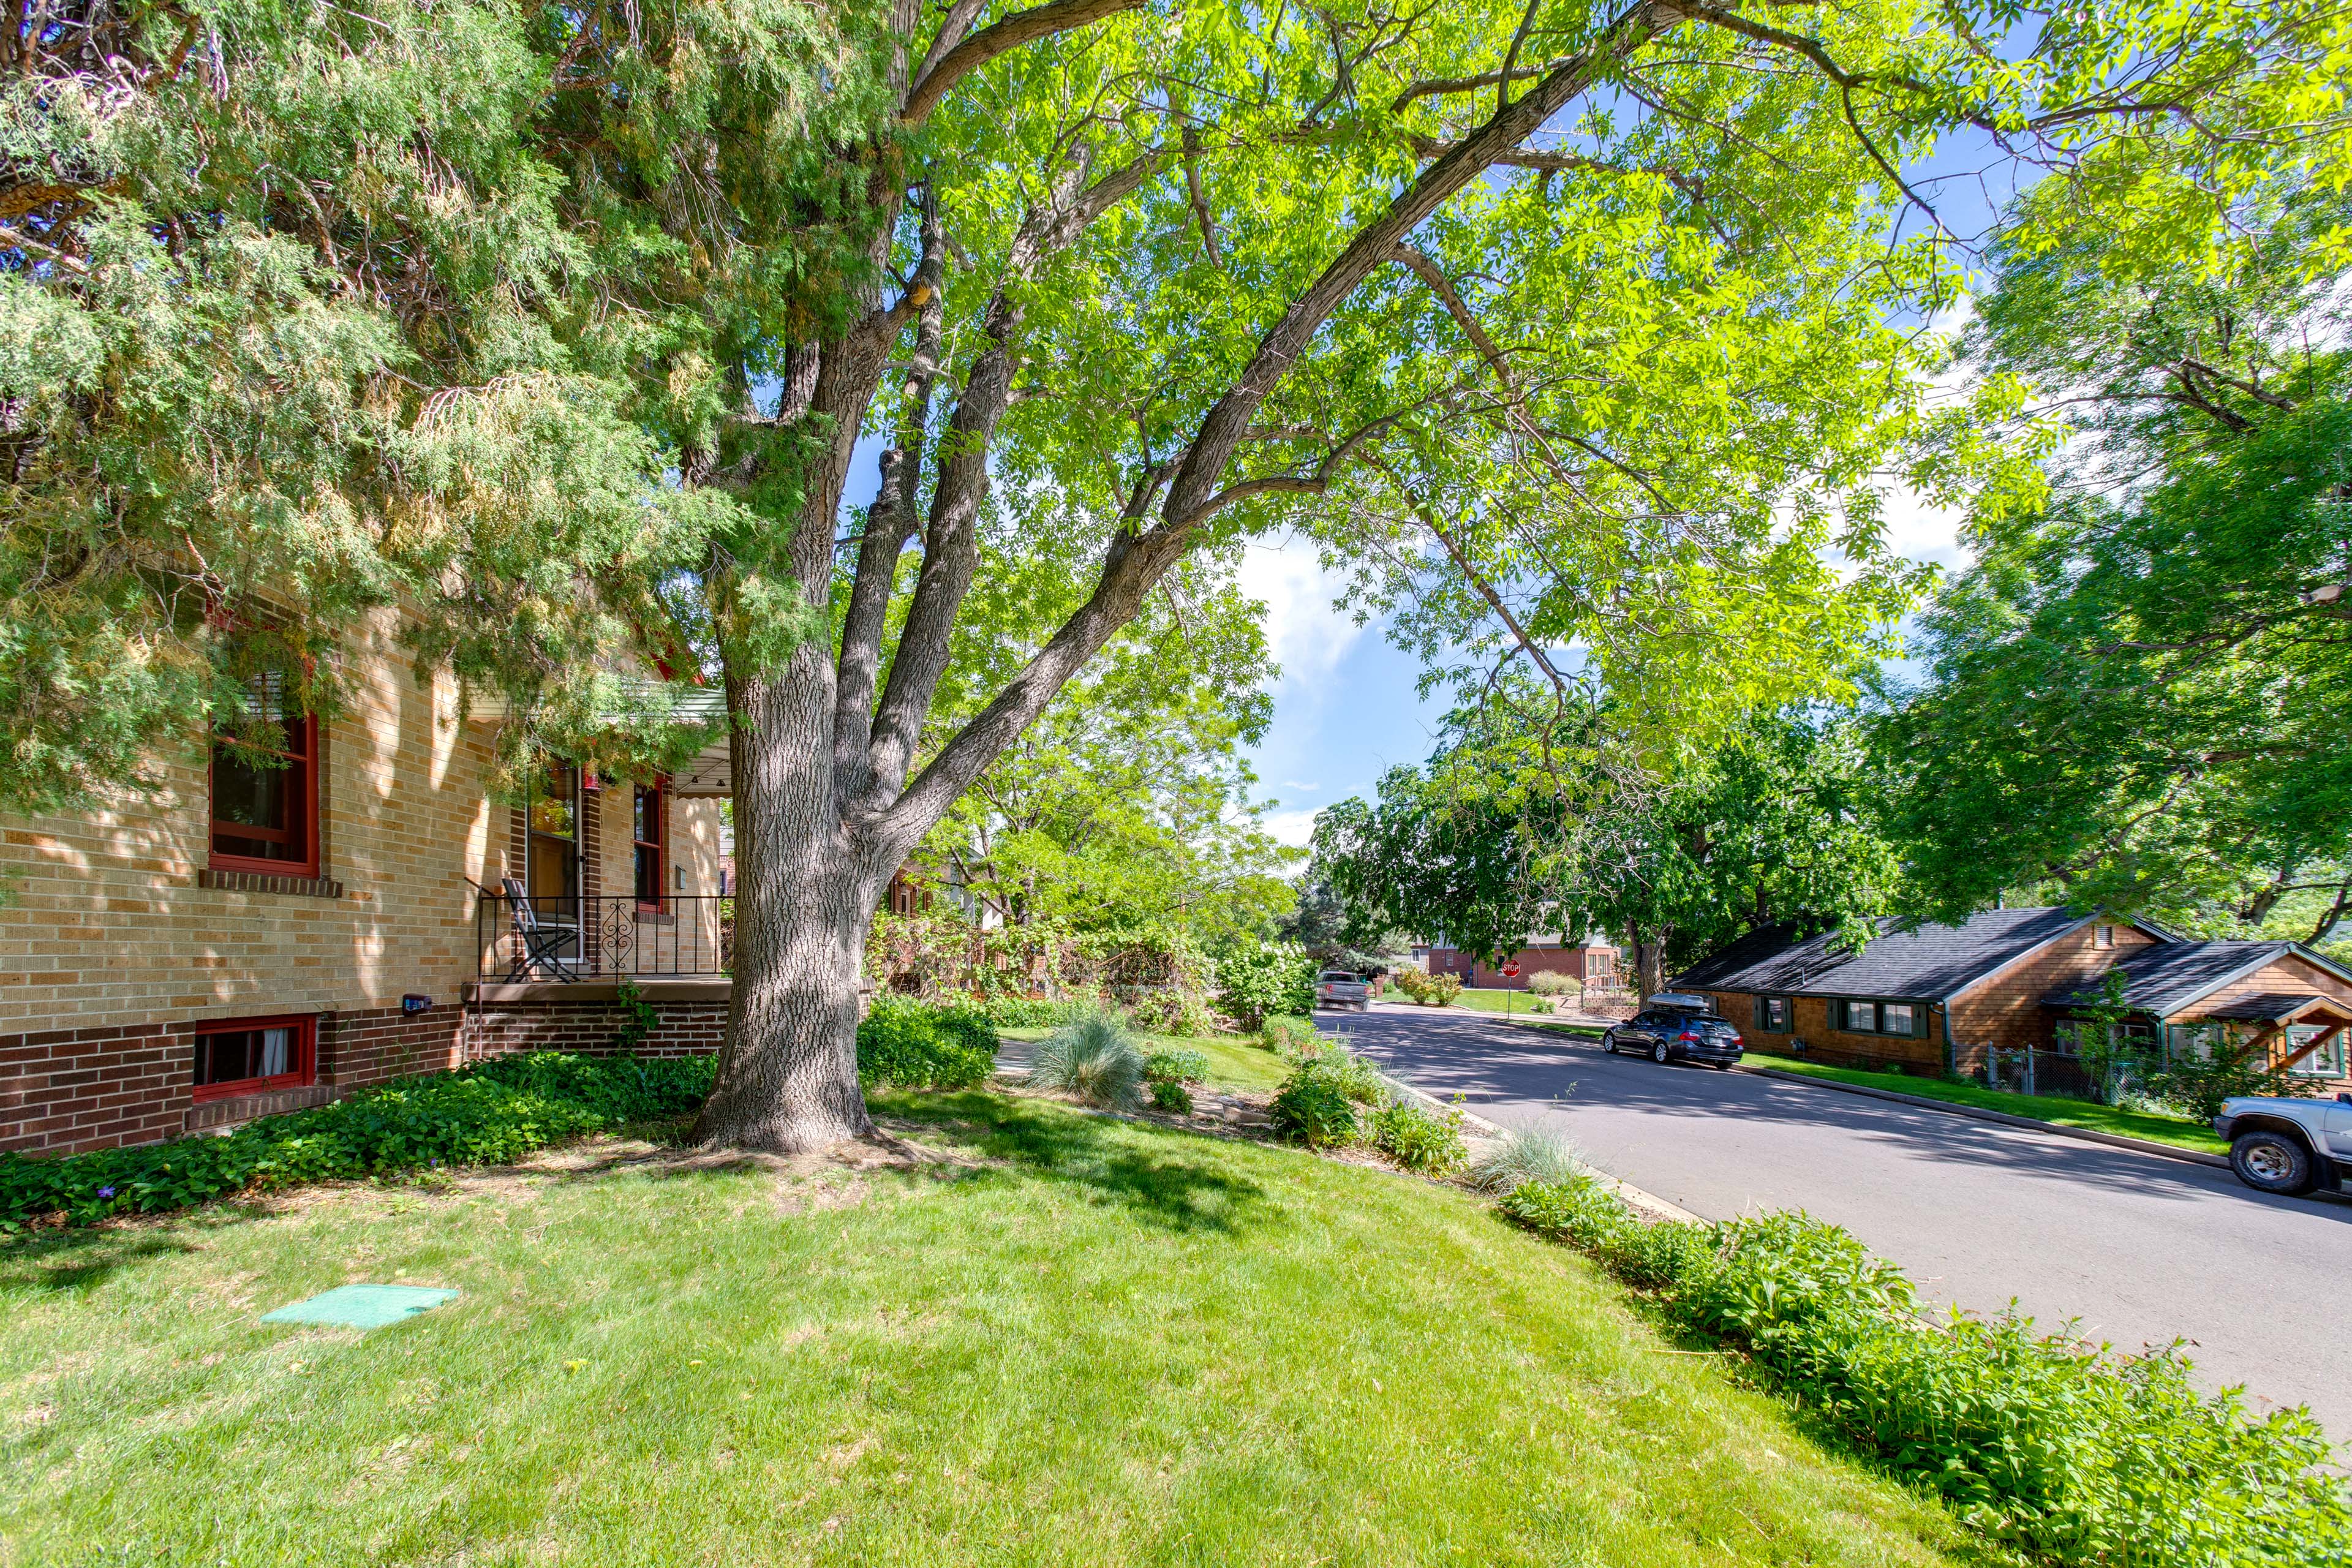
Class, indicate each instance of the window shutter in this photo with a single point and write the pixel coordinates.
(1760, 1006)
(1920, 1021)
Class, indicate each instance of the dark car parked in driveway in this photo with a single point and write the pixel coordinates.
(1676, 1028)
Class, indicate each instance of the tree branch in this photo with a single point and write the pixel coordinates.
(1021, 28)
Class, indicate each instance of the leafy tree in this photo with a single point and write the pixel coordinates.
(1491, 840)
(1128, 800)
(2135, 698)
(585, 309)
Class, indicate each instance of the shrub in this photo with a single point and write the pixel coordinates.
(1176, 1066)
(1348, 1073)
(2197, 1084)
(490, 1114)
(1523, 1155)
(2065, 1452)
(914, 1046)
(1419, 1139)
(1094, 1058)
(1540, 1005)
(1549, 982)
(1428, 990)
(1169, 1010)
(1312, 1109)
(1169, 1094)
(1256, 980)
(1032, 1012)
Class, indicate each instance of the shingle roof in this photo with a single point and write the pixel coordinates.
(2162, 980)
(1931, 962)
(2266, 1006)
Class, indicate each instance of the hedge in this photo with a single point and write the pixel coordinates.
(490, 1114)
(2066, 1452)
(914, 1045)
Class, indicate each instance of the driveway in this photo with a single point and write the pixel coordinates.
(2141, 1249)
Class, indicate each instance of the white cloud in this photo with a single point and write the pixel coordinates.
(1293, 827)
(1306, 637)
(1294, 783)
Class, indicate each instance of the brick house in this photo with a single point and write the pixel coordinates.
(1593, 963)
(1946, 999)
(244, 940)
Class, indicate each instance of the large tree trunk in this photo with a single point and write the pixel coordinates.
(788, 1074)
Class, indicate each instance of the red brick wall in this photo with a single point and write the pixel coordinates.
(65, 1090)
(593, 1028)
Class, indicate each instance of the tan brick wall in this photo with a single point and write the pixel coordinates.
(2005, 1008)
(107, 927)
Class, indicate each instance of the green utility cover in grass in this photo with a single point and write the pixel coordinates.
(363, 1306)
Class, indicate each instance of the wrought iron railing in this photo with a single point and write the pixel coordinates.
(578, 939)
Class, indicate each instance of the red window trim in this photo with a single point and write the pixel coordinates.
(306, 1055)
(659, 843)
(306, 867)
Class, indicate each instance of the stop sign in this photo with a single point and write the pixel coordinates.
(1511, 969)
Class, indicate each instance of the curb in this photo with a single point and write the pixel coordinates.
(1649, 1205)
(1978, 1114)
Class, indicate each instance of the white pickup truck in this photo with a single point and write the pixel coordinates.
(2290, 1146)
(1343, 988)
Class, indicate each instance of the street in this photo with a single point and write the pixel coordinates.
(2139, 1248)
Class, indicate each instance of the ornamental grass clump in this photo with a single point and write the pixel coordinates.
(2065, 1452)
(1525, 1154)
(1094, 1059)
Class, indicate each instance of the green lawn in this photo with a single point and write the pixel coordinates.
(2084, 1113)
(1484, 1002)
(1069, 1340)
(1234, 1061)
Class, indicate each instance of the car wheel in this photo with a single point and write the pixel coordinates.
(1723, 1067)
(1608, 1042)
(2274, 1163)
(1660, 1055)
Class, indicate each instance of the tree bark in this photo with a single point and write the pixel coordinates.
(787, 1077)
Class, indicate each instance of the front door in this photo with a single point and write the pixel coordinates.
(551, 867)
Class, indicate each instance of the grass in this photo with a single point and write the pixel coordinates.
(1485, 1001)
(1073, 1341)
(2084, 1113)
(1234, 1061)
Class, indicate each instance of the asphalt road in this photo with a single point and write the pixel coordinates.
(2140, 1249)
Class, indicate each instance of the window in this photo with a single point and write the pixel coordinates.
(2068, 1035)
(646, 831)
(265, 807)
(552, 864)
(2102, 936)
(249, 1056)
(1902, 1018)
(2327, 1061)
(1772, 1015)
(2195, 1042)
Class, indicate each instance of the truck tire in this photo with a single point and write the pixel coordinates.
(2273, 1161)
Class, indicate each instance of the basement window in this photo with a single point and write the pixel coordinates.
(253, 1056)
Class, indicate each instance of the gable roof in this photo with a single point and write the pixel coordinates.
(2163, 980)
(1932, 961)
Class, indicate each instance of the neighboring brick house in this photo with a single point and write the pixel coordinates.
(1942, 998)
(245, 939)
(1593, 963)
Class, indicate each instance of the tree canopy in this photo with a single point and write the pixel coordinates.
(2134, 698)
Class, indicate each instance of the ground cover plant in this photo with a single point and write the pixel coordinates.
(2088, 1115)
(2065, 1451)
(494, 1111)
(1047, 1338)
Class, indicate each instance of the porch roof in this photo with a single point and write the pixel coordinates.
(2276, 1007)
(2171, 978)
